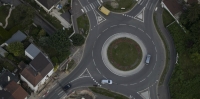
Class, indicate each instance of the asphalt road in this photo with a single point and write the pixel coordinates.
(91, 70)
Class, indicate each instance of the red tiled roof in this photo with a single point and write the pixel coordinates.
(31, 75)
(16, 90)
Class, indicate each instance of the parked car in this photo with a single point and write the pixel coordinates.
(66, 87)
(106, 81)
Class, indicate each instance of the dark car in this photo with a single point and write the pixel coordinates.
(66, 87)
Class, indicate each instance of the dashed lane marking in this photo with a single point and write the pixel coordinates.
(105, 29)
(94, 62)
(98, 70)
(132, 26)
(142, 80)
(141, 29)
(133, 84)
(149, 74)
(113, 26)
(148, 35)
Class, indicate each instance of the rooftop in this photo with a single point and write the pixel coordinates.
(17, 37)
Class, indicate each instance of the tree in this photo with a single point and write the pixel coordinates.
(17, 48)
(59, 41)
(77, 39)
(193, 13)
(196, 58)
(41, 33)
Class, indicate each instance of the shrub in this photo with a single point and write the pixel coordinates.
(77, 40)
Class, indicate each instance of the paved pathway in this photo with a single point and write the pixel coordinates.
(10, 10)
(109, 65)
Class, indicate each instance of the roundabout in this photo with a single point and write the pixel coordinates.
(115, 69)
(124, 54)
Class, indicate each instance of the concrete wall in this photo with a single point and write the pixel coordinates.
(27, 54)
(47, 10)
(29, 84)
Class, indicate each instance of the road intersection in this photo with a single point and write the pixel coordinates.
(91, 70)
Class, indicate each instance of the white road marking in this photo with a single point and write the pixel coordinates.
(91, 6)
(94, 62)
(113, 26)
(60, 92)
(148, 35)
(149, 74)
(154, 66)
(142, 2)
(142, 80)
(147, 2)
(99, 35)
(53, 85)
(141, 29)
(104, 77)
(153, 43)
(123, 84)
(132, 26)
(105, 29)
(98, 70)
(98, 2)
(85, 9)
(133, 84)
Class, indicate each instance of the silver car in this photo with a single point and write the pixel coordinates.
(106, 81)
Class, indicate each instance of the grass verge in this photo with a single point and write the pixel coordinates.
(128, 5)
(124, 54)
(83, 24)
(71, 65)
(108, 93)
(4, 10)
(167, 51)
(167, 18)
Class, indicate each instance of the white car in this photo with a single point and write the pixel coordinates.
(106, 81)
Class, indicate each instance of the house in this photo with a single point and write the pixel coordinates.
(38, 70)
(7, 77)
(16, 91)
(17, 37)
(47, 5)
(174, 7)
(32, 51)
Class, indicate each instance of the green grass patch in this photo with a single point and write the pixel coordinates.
(108, 93)
(167, 18)
(71, 65)
(167, 52)
(4, 10)
(124, 54)
(128, 5)
(83, 24)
